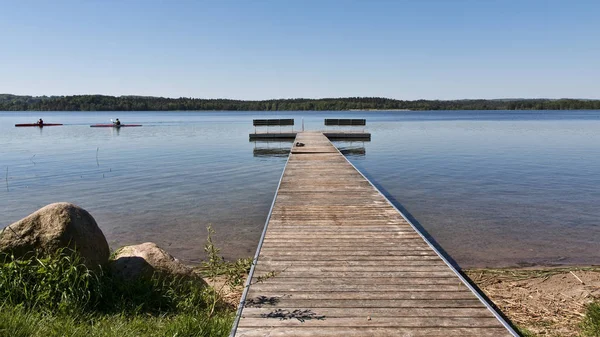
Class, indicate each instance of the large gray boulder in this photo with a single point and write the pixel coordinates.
(56, 226)
(146, 259)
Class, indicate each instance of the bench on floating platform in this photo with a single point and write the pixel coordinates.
(273, 122)
(346, 122)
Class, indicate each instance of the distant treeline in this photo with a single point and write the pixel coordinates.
(142, 103)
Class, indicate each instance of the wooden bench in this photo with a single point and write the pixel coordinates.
(273, 122)
(345, 122)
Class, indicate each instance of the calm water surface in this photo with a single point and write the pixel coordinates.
(493, 188)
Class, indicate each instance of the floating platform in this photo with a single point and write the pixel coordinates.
(336, 258)
(332, 135)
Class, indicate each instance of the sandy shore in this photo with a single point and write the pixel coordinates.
(547, 301)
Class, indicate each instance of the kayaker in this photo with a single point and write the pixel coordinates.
(40, 122)
(117, 122)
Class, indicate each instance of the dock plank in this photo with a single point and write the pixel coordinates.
(337, 259)
(306, 331)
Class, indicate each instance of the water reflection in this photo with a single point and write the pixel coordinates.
(282, 148)
(266, 152)
(272, 148)
(351, 148)
(358, 151)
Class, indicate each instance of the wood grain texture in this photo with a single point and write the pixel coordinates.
(338, 259)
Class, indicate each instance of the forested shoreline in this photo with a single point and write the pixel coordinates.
(145, 103)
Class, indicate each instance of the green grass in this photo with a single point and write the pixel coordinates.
(58, 282)
(590, 326)
(17, 321)
(56, 295)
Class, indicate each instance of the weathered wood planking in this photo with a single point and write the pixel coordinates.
(347, 263)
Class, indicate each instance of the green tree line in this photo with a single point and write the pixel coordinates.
(144, 103)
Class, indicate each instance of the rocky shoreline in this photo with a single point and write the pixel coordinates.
(64, 225)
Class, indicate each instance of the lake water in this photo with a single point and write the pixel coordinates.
(493, 188)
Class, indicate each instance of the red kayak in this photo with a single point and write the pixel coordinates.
(36, 124)
(113, 125)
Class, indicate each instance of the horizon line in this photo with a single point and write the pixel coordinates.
(306, 98)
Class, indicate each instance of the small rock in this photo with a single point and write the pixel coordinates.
(143, 260)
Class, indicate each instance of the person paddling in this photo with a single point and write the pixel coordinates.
(117, 122)
(40, 122)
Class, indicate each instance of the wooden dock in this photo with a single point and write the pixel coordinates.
(338, 259)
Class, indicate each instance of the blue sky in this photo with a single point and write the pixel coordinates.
(283, 49)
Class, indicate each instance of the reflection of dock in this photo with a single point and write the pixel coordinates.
(338, 259)
(333, 135)
(273, 147)
(353, 151)
(271, 152)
